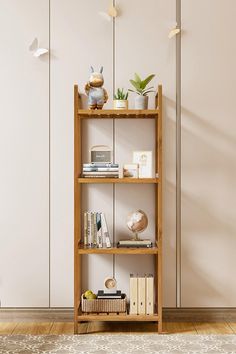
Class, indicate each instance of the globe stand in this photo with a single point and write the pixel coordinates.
(136, 237)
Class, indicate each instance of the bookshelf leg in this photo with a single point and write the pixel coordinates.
(76, 327)
(159, 327)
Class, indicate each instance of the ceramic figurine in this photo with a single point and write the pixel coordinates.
(97, 95)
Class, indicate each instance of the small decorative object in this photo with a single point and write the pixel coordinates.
(89, 295)
(111, 13)
(37, 51)
(137, 222)
(141, 100)
(110, 285)
(130, 170)
(120, 99)
(144, 160)
(97, 95)
(100, 154)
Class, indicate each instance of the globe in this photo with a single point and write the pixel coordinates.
(137, 222)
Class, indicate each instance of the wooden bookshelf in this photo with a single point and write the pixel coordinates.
(79, 250)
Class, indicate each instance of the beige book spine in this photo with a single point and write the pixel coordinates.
(149, 295)
(141, 296)
(133, 295)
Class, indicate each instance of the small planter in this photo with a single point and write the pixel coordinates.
(120, 104)
(141, 102)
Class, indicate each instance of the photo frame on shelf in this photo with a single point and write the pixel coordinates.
(144, 161)
(130, 170)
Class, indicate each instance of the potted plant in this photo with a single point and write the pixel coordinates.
(141, 100)
(120, 99)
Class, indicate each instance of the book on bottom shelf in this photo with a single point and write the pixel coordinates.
(133, 310)
(141, 295)
(149, 295)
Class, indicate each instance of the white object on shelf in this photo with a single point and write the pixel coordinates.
(144, 161)
(149, 295)
(133, 285)
(141, 295)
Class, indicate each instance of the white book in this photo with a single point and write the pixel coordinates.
(141, 295)
(89, 228)
(99, 230)
(85, 228)
(105, 232)
(149, 295)
(133, 291)
(94, 229)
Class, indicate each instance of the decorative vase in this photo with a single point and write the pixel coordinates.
(141, 102)
(120, 104)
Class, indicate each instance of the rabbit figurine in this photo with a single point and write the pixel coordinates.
(97, 95)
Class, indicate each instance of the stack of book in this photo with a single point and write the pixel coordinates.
(95, 230)
(104, 170)
(116, 295)
(134, 243)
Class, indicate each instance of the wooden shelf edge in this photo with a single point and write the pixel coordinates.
(115, 250)
(118, 180)
(118, 114)
(118, 317)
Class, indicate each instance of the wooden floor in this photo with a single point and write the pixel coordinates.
(102, 327)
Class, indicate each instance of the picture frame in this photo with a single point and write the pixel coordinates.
(144, 161)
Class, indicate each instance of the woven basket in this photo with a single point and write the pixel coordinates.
(103, 305)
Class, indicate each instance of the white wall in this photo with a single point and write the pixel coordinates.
(24, 155)
(208, 153)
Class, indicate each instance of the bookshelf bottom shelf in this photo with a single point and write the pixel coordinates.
(117, 317)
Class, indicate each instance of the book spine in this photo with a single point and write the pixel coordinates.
(94, 229)
(133, 295)
(99, 230)
(141, 296)
(85, 228)
(105, 233)
(89, 228)
(149, 295)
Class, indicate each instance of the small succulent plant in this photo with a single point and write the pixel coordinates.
(121, 94)
(141, 85)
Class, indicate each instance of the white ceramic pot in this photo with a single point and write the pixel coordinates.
(141, 102)
(120, 104)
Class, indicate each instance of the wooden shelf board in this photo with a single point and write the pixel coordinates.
(95, 180)
(114, 250)
(117, 317)
(117, 114)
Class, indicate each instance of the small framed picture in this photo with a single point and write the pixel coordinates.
(130, 170)
(144, 161)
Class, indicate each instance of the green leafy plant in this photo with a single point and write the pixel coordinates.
(141, 85)
(121, 95)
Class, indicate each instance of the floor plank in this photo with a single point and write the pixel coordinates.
(232, 326)
(62, 328)
(7, 327)
(213, 328)
(179, 327)
(34, 328)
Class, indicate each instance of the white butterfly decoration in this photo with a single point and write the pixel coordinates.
(173, 32)
(111, 13)
(34, 47)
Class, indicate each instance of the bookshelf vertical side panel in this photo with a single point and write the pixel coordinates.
(77, 206)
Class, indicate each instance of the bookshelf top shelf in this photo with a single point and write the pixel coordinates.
(117, 114)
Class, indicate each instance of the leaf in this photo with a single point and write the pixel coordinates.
(146, 92)
(148, 88)
(135, 84)
(137, 78)
(146, 81)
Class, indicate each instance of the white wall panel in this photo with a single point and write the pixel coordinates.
(24, 152)
(142, 46)
(208, 153)
(80, 37)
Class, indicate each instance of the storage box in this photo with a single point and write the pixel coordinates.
(103, 305)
